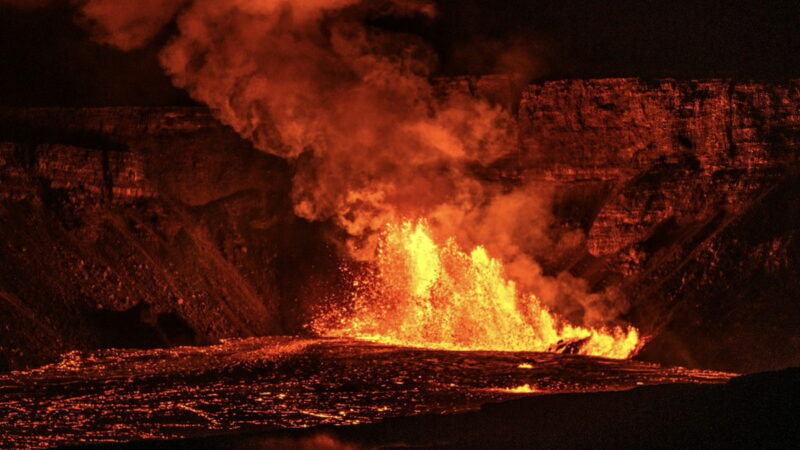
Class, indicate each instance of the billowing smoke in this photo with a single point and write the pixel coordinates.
(352, 106)
(518, 227)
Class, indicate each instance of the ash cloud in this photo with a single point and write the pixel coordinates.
(351, 105)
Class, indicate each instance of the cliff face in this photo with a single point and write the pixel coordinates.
(147, 227)
(668, 149)
(686, 191)
(142, 227)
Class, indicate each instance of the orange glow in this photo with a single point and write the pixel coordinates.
(522, 389)
(427, 295)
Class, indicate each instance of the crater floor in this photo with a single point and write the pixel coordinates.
(284, 382)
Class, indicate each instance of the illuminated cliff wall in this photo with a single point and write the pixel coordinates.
(158, 226)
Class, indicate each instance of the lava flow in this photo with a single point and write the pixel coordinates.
(426, 295)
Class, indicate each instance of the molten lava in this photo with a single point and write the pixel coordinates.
(426, 295)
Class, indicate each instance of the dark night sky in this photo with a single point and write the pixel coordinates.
(46, 60)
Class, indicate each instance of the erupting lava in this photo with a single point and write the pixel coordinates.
(422, 294)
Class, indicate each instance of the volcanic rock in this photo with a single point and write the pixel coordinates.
(132, 227)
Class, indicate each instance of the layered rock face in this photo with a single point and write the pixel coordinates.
(685, 192)
(148, 227)
(698, 144)
(128, 227)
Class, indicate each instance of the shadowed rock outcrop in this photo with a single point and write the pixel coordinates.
(133, 227)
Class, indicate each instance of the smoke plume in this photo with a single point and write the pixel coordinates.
(352, 106)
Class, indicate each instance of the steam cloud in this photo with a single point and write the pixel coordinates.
(352, 106)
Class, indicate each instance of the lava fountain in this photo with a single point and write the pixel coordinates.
(424, 294)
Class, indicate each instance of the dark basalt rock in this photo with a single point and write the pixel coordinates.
(144, 227)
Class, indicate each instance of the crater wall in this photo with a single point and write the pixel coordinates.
(136, 227)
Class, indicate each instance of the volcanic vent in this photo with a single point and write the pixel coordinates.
(425, 295)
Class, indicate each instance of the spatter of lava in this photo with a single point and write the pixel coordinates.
(422, 294)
